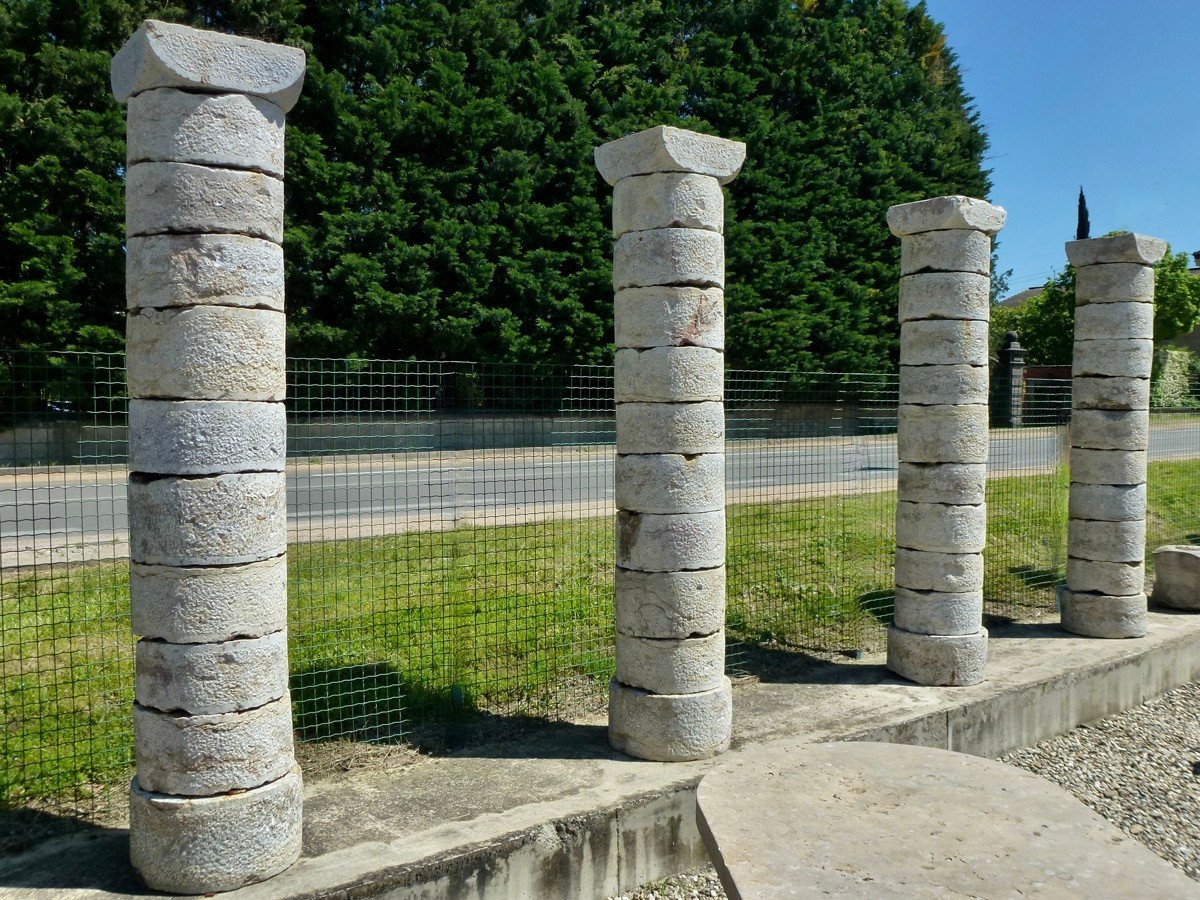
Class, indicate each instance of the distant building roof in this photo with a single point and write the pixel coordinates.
(1016, 301)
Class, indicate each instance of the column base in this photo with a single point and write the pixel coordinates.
(670, 727)
(938, 660)
(1103, 616)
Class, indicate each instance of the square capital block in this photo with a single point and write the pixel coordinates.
(667, 149)
(945, 214)
(1119, 248)
(162, 55)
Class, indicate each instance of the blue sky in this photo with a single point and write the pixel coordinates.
(1103, 93)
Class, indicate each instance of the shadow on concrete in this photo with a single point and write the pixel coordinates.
(786, 665)
(56, 854)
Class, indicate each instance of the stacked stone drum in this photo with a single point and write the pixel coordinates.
(1110, 430)
(216, 802)
(670, 699)
(941, 521)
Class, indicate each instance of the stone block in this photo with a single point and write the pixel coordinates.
(1110, 393)
(942, 385)
(686, 428)
(1104, 429)
(1098, 616)
(198, 756)
(669, 727)
(949, 573)
(941, 528)
(667, 200)
(200, 604)
(181, 198)
(944, 342)
(669, 256)
(936, 659)
(957, 250)
(198, 845)
(670, 666)
(1116, 579)
(1115, 283)
(1108, 502)
(945, 295)
(959, 484)
(1117, 248)
(1114, 321)
(1120, 358)
(942, 434)
(209, 679)
(669, 483)
(206, 437)
(1108, 466)
(939, 612)
(651, 543)
(233, 131)
(206, 353)
(669, 375)
(165, 270)
(164, 55)
(664, 148)
(669, 317)
(213, 521)
(670, 604)
(945, 214)
(1177, 576)
(1119, 542)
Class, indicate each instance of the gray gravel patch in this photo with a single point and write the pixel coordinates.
(701, 886)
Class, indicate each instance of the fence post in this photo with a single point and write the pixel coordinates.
(941, 521)
(1110, 431)
(670, 699)
(1008, 395)
(216, 802)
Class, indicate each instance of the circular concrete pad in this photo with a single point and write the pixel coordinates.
(889, 820)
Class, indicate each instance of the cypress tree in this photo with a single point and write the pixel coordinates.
(1083, 224)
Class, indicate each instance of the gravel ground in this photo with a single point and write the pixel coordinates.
(701, 886)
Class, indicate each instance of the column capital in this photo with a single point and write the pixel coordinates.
(1119, 248)
(163, 55)
(945, 214)
(664, 148)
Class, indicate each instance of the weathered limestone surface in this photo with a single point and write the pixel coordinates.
(686, 428)
(167, 270)
(669, 727)
(942, 434)
(923, 570)
(671, 666)
(944, 295)
(1110, 393)
(1108, 502)
(668, 200)
(669, 375)
(209, 679)
(1095, 615)
(1107, 541)
(941, 528)
(959, 484)
(945, 213)
(206, 437)
(1118, 248)
(1114, 321)
(1108, 466)
(931, 385)
(1102, 429)
(957, 250)
(169, 197)
(939, 660)
(1115, 283)
(670, 543)
(667, 483)
(1120, 358)
(670, 604)
(667, 149)
(669, 317)
(945, 342)
(938, 612)
(669, 256)
(1177, 576)
(1116, 579)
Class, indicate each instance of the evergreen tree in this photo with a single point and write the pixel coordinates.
(1083, 224)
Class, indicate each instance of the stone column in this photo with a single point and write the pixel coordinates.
(216, 803)
(670, 699)
(941, 521)
(1110, 430)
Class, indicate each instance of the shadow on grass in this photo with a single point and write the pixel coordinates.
(1033, 577)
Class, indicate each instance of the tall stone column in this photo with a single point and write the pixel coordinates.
(1110, 432)
(670, 699)
(216, 803)
(941, 521)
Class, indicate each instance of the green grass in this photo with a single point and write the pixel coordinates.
(394, 630)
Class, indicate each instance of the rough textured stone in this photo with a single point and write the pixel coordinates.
(952, 573)
(203, 755)
(670, 604)
(669, 727)
(1114, 321)
(208, 679)
(669, 256)
(1108, 502)
(944, 295)
(1107, 541)
(163, 55)
(166, 270)
(1110, 393)
(943, 434)
(669, 375)
(936, 659)
(941, 528)
(197, 845)
(1116, 579)
(941, 385)
(670, 666)
(1108, 466)
(214, 521)
(230, 130)
(944, 214)
(1116, 283)
(938, 612)
(168, 197)
(958, 250)
(960, 484)
(1102, 429)
(686, 428)
(944, 342)
(667, 200)
(206, 437)
(192, 605)
(664, 148)
(1118, 248)
(652, 543)
(1121, 358)
(1098, 616)
(669, 317)
(668, 483)
(206, 353)
(1177, 576)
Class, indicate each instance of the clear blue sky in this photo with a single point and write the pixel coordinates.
(1103, 93)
